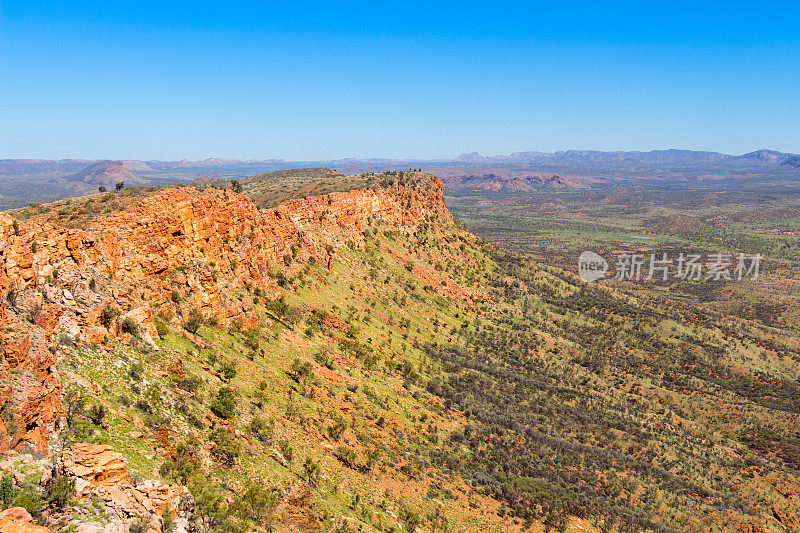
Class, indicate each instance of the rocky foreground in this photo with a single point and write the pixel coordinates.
(99, 475)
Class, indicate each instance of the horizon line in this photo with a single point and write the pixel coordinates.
(385, 158)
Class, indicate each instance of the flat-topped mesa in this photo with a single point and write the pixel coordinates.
(156, 234)
(204, 238)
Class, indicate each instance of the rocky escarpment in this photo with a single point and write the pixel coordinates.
(30, 387)
(173, 254)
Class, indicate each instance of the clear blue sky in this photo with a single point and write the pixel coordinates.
(309, 81)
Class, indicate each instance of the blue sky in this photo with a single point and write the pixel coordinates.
(312, 81)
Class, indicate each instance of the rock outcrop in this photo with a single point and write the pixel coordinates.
(18, 520)
(98, 474)
(98, 471)
(94, 466)
(30, 388)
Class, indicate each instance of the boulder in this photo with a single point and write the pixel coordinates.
(96, 465)
(100, 471)
(18, 520)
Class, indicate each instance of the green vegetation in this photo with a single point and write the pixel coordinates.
(269, 190)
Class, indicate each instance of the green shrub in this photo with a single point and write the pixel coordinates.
(80, 430)
(96, 413)
(346, 455)
(143, 406)
(257, 505)
(194, 321)
(169, 521)
(337, 428)
(162, 329)
(224, 403)
(11, 296)
(301, 371)
(262, 430)
(286, 450)
(226, 448)
(136, 371)
(140, 525)
(7, 491)
(182, 469)
(29, 500)
(323, 357)
(129, 325)
(312, 471)
(189, 383)
(228, 370)
(60, 492)
(251, 339)
(373, 455)
(410, 519)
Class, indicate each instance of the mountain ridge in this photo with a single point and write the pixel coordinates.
(652, 156)
(108, 173)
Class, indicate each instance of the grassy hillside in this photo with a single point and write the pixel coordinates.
(329, 389)
(428, 381)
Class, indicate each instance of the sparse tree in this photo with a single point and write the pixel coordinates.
(311, 471)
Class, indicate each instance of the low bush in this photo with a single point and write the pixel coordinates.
(129, 325)
(224, 403)
(194, 321)
(226, 448)
(108, 315)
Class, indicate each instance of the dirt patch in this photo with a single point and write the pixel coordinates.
(295, 340)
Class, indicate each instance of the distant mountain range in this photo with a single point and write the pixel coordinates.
(513, 182)
(132, 172)
(26, 180)
(652, 157)
(672, 156)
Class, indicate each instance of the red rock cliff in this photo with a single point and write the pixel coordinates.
(165, 253)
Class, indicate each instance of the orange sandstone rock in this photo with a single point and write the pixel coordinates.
(97, 465)
(18, 520)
